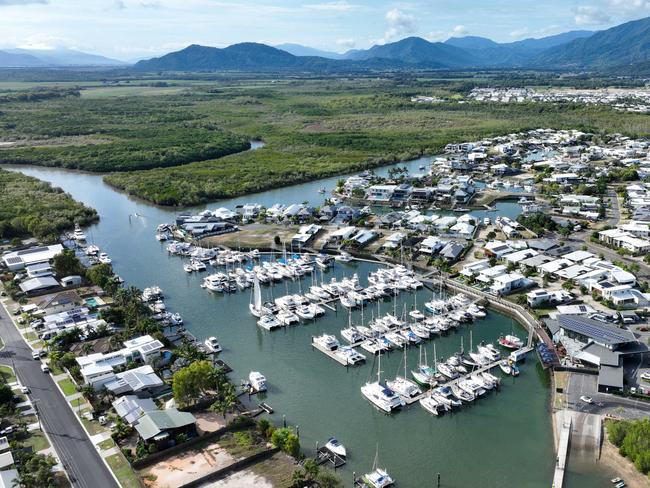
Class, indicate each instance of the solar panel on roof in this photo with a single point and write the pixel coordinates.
(595, 330)
(13, 260)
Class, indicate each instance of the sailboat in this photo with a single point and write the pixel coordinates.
(425, 375)
(255, 305)
(380, 395)
(404, 387)
(378, 477)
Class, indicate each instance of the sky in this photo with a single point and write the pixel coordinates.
(136, 29)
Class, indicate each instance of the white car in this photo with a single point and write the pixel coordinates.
(645, 376)
(45, 368)
(24, 389)
(586, 399)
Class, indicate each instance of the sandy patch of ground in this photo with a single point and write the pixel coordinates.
(188, 466)
(241, 479)
(623, 467)
(210, 421)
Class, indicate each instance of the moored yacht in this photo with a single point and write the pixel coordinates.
(212, 344)
(257, 381)
(327, 341)
(380, 395)
(268, 322)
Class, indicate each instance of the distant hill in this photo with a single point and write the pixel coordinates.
(14, 60)
(68, 57)
(300, 50)
(419, 52)
(624, 44)
(511, 54)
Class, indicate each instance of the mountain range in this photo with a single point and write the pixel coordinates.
(29, 58)
(586, 50)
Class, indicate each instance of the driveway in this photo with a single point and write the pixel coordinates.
(78, 456)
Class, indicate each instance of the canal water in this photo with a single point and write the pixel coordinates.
(502, 440)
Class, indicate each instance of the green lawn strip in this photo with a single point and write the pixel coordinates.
(122, 470)
(107, 444)
(31, 336)
(7, 374)
(56, 370)
(68, 387)
(92, 426)
(36, 441)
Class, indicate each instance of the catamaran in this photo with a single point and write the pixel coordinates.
(378, 477)
(404, 387)
(380, 395)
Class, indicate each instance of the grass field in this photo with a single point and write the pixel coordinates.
(8, 374)
(181, 142)
(36, 441)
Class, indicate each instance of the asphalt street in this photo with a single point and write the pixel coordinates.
(79, 457)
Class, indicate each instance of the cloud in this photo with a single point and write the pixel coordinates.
(441, 35)
(119, 5)
(630, 7)
(152, 5)
(21, 2)
(399, 24)
(346, 43)
(541, 32)
(459, 30)
(338, 6)
(590, 15)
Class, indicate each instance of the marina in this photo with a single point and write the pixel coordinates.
(446, 445)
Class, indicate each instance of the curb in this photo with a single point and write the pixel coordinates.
(69, 406)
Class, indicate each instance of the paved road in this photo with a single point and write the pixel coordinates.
(603, 403)
(79, 457)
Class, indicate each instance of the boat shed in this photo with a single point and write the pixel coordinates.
(18, 260)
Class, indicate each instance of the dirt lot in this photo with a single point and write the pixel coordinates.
(186, 467)
(621, 466)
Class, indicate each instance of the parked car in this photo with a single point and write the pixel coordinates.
(25, 390)
(586, 399)
(45, 368)
(645, 376)
(36, 355)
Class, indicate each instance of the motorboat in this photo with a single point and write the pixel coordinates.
(473, 388)
(305, 312)
(257, 381)
(404, 387)
(92, 250)
(324, 262)
(378, 479)
(396, 339)
(511, 342)
(320, 292)
(212, 344)
(344, 257)
(446, 395)
(416, 315)
(372, 346)
(104, 259)
(329, 342)
(476, 311)
(347, 301)
(78, 235)
(505, 367)
(430, 404)
(188, 268)
(463, 395)
(447, 371)
(408, 335)
(352, 335)
(268, 322)
(287, 317)
(350, 355)
(335, 447)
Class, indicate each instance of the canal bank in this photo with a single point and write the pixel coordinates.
(506, 436)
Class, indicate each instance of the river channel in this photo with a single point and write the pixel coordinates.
(504, 439)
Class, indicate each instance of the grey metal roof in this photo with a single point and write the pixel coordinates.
(611, 376)
(599, 332)
(607, 357)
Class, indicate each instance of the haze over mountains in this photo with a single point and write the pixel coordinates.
(624, 45)
(621, 45)
(29, 58)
